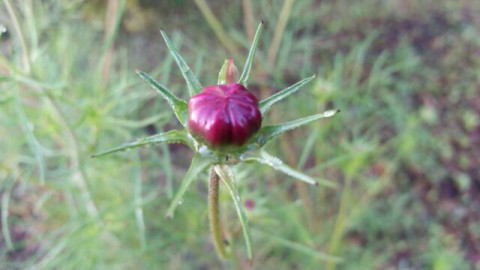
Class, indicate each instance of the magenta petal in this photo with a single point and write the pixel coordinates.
(222, 115)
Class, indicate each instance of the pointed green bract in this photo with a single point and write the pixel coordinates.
(267, 103)
(251, 55)
(222, 75)
(193, 84)
(172, 136)
(267, 133)
(265, 158)
(178, 105)
(196, 167)
(226, 174)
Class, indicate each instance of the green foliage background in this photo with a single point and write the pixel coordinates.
(404, 149)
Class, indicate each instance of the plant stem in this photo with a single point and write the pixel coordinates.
(21, 37)
(214, 213)
(217, 27)
(279, 30)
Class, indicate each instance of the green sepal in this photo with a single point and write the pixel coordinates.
(265, 158)
(228, 178)
(179, 106)
(267, 133)
(172, 136)
(196, 167)
(222, 75)
(193, 84)
(251, 55)
(268, 102)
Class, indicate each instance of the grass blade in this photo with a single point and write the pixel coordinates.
(178, 106)
(4, 206)
(251, 55)
(196, 167)
(267, 103)
(266, 159)
(138, 204)
(300, 248)
(33, 143)
(172, 136)
(226, 174)
(193, 84)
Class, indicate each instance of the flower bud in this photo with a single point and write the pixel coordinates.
(223, 115)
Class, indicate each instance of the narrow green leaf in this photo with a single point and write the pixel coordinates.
(178, 106)
(7, 187)
(251, 55)
(227, 176)
(196, 167)
(222, 75)
(138, 123)
(32, 140)
(267, 103)
(172, 136)
(193, 84)
(310, 251)
(268, 133)
(264, 158)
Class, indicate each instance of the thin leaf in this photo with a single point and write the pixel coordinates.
(300, 248)
(138, 123)
(251, 55)
(138, 202)
(7, 187)
(196, 167)
(172, 136)
(263, 157)
(178, 106)
(193, 84)
(228, 73)
(222, 75)
(267, 103)
(268, 133)
(226, 174)
(33, 142)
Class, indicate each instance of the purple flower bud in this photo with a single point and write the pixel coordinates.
(222, 115)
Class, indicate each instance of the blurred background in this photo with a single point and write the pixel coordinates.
(404, 150)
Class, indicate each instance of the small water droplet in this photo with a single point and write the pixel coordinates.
(180, 202)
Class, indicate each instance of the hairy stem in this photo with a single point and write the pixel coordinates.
(214, 213)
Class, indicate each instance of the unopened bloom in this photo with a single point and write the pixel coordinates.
(222, 124)
(222, 115)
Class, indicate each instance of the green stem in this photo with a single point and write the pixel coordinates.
(21, 36)
(214, 213)
(217, 27)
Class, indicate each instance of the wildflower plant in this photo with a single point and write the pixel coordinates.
(222, 125)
